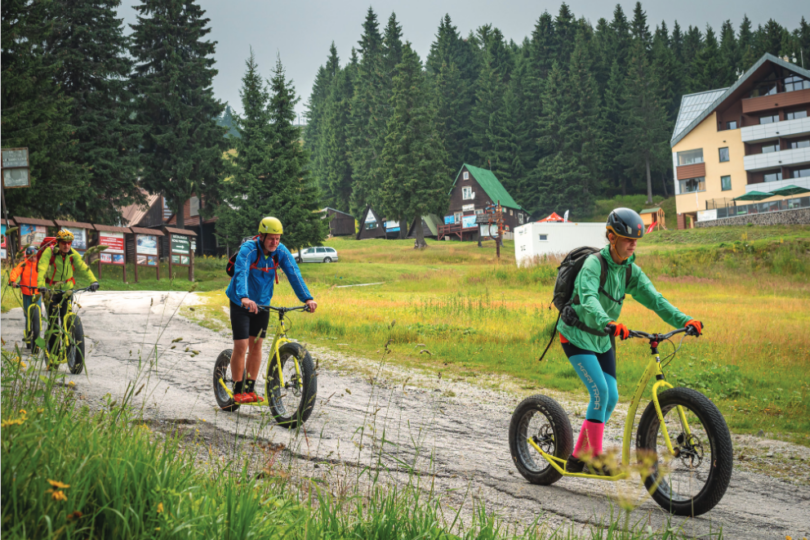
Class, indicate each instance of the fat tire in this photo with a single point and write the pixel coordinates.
(76, 349)
(719, 441)
(223, 363)
(561, 429)
(285, 418)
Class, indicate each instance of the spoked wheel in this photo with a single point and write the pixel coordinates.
(222, 370)
(293, 402)
(545, 421)
(694, 481)
(76, 347)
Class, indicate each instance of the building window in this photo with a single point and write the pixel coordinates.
(520, 218)
(723, 155)
(800, 144)
(769, 119)
(801, 173)
(772, 177)
(768, 148)
(479, 211)
(725, 183)
(510, 212)
(690, 157)
(693, 185)
(370, 226)
(794, 83)
(457, 217)
(543, 237)
(732, 124)
(795, 115)
(466, 193)
(466, 175)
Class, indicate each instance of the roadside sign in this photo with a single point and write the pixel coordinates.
(15, 168)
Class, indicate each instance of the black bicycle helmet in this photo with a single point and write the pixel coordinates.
(626, 223)
(30, 250)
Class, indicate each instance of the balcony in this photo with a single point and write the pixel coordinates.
(696, 170)
(774, 160)
(775, 101)
(765, 132)
(779, 184)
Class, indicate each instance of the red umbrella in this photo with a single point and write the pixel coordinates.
(552, 217)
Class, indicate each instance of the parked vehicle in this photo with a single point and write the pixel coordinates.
(318, 254)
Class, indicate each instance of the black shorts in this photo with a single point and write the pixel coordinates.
(246, 324)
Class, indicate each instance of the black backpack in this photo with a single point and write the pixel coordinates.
(564, 290)
(231, 266)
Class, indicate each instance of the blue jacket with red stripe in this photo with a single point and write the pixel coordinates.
(254, 279)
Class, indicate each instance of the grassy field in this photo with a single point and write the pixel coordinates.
(477, 316)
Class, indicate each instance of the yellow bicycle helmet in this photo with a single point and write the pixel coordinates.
(64, 236)
(271, 225)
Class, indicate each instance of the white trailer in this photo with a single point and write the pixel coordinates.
(535, 241)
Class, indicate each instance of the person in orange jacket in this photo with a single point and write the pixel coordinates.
(26, 272)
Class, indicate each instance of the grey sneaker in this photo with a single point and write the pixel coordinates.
(574, 465)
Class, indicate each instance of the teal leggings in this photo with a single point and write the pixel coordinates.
(598, 373)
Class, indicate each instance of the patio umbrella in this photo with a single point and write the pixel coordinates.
(754, 196)
(790, 190)
(554, 217)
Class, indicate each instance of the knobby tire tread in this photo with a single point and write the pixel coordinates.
(563, 434)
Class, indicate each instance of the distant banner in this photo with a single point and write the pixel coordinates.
(449, 220)
(113, 240)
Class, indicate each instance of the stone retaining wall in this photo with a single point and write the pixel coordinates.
(799, 216)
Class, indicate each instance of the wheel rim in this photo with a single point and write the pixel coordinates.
(685, 477)
(534, 423)
(288, 398)
(223, 372)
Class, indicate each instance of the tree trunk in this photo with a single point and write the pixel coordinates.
(664, 182)
(649, 182)
(420, 233)
(403, 228)
(181, 218)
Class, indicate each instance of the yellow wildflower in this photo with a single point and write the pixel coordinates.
(57, 495)
(58, 485)
(23, 412)
(40, 410)
(71, 383)
(160, 508)
(16, 421)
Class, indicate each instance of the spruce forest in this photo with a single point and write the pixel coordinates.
(573, 113)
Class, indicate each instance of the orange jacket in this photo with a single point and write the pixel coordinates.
(28, 270)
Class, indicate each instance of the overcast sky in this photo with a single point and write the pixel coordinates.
(300, 31)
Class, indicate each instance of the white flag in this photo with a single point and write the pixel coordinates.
(565, 217)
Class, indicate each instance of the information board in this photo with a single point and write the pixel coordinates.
(3, 252)
(79, 238)
(180, 245)
(468, 222)
(113, 240)
(147, 245)
(32, 234)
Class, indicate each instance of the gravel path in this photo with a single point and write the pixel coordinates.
(373, 416)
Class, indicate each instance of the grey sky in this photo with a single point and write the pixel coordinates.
(301, 31)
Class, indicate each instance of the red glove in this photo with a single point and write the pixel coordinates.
(619, 330)
(697, 327)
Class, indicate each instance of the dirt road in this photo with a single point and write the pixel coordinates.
(391, 419)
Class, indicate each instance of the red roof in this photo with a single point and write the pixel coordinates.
(552, 217)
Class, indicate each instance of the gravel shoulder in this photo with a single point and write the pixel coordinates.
(401, 423)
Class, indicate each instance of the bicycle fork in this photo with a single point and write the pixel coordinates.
(660, 382)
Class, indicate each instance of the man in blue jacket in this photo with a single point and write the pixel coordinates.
(252, 286)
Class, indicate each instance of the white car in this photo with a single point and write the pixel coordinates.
(318, 254)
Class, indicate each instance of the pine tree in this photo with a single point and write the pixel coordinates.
(645, 121)
(487, 110)
(316, 109)
(565, 30)
(747, 45)
(181, 149)
(447, 91)
(639, 29)
(603, 59)
(771, 38)
(367, 122)
(415, 182)
(36, 114)
(612, 132)
(337, 180)
(692, 44)
(245, 193)
(621, 36)
(291, 192)
(706, 72)
(93, 70)
(227, 121)
(729, 55)
(804, 44)
(676, 43)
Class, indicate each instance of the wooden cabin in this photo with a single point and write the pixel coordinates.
(340, 223)
(473, 190)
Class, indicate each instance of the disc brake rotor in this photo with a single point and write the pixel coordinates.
(690, 451)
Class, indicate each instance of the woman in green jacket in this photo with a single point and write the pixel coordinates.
(591, 351)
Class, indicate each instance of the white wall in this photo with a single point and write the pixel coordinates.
(560, 238)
